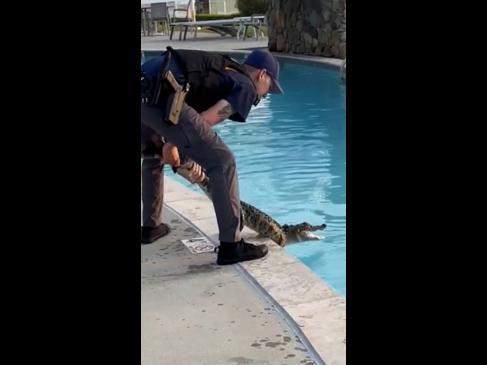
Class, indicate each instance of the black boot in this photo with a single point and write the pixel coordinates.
(232, 252)
(150, 234)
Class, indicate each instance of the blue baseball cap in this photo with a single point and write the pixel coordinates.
(263, 59)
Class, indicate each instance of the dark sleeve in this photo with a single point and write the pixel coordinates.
(241, 98)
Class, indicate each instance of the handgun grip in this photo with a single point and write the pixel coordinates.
(170, 77)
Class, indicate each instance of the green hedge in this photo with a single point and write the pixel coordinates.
(250, 7)
(215, 16)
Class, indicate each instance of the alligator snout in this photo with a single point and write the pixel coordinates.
(309, 227)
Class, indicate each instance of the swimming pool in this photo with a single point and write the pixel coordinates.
(291, 162)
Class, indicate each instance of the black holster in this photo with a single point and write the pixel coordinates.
(175, 99)
(165, 91)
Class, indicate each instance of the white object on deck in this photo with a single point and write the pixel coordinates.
(199, 245)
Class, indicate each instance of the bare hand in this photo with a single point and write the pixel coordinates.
(170, 155)
(197, 174)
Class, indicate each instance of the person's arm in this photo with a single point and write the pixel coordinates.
(170, 155)
(215, 114)
(218, 112)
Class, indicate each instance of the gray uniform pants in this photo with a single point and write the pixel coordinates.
(152, 177)
(195, 138)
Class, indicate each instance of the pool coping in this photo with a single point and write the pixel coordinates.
(317, 310)
(334, 63)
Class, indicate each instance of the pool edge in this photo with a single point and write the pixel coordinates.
(327, 62)
(317, 310)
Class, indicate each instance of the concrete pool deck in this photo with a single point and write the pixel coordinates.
(269, 311)
(209, 42)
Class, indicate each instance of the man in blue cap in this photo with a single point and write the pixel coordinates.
(219, 88)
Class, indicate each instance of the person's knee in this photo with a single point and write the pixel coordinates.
(226, 158)
(152, 162)
(151, 152)
(224, 161)
(151, 142)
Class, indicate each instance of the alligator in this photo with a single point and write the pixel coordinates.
(253, 217)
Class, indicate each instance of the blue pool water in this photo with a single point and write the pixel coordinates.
(291, 162)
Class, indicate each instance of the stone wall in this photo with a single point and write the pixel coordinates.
(314, 27)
